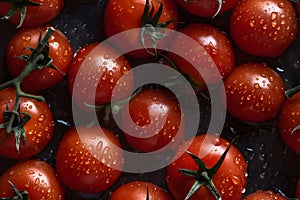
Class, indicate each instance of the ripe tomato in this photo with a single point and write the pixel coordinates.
(95, 71)
(207, 8)
(230, 179)
(39, 129)
(35, 15)
(289, 119)
(123, 15)
(137, 190)
(89, 162)
(36, 177)
(254, 92)
(263, 27)
(298, 189)
(297, 4)
(216, 47)
(265, 195)
(156, 117)
(60, 51)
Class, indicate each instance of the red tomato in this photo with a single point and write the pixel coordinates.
(216, 47)
(39, 129)
(265, 195)
(206, 8)
(157, 114)
(123, 15)
(35, 15)
(297, 4)
(289, 119)
(137, 190)
(230, 179)
(89, 162)
(34, 176)
(263, 27)
(60, 51)
(298, 189)
(255, 92)
(95, 71)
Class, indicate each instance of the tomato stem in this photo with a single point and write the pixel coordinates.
(18, 5)
(18, 195)
(290, 92)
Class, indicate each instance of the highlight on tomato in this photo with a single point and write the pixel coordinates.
(266, 195)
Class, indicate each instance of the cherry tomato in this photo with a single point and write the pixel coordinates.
(60, 51)
(95, 72)
(89, 162)
(255, 92)
(35, 15)
(123, 15)
(34, 176)
(298, 189)
(265, 195)
(39, 129)
(207, 8)
(263, 27)
(157, 114)
(289, 119)
(137, 190)
(217, 52)
(230, 179)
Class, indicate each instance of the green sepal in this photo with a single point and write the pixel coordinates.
(295, 129)
(18, 195)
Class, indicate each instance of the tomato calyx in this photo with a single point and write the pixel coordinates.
(204, 175)
(290, 92)
(18, 195)
(150, 24)
(15, 120)
(16, 6)
(220, 2)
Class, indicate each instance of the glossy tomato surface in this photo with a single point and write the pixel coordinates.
(265, 195)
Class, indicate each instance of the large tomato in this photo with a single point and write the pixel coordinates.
(214, 50)
(289, 120)
(35, 177)
(265, 195)
(254, 92)
(88, 161)
(157, 114)
(34, 15)
(263, 27)
(229, 180)
(39, 129)
(60, 51)
(123, 15)
(139, 190)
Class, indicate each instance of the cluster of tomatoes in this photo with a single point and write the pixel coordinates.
(54, 94)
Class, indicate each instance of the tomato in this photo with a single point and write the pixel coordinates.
(217, 51)
(137, 190)
(263, 27)
(89, 162)
(123, 15)
(34, 176)
(34, 15)
(156, 117)
(289, 119)
(254, 92)
(60, 51)
(298, 189)
(265, 195)
(230, 179)
(95, 71)
(297, 4)
(207, 8)
(39, 129)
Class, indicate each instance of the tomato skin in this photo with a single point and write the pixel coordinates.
(265, 195)
(298, 189)
(36, 177)
(123, 15)
(230, 180)
(39, 129)
(147, 109)
(60, 51)
(254, 92)
(289, 118)
(137, 190)
(35, 15)
(82, 161)
(207, 8)
(94, 65)
(215, 43)
(263, 27)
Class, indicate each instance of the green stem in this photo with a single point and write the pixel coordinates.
(290, 92)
